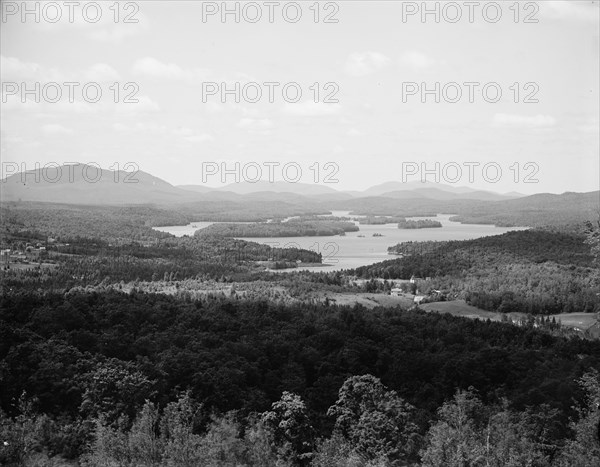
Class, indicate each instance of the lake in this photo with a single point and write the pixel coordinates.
(362, 248)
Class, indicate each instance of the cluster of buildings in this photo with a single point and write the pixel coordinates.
(31, 253)
(433, 295)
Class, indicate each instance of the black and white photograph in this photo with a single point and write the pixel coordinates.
(312, 233)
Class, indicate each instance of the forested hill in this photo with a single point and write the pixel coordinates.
(279, 229)
(537, 210)
(534, 245)
(531, 271)
(568, 210)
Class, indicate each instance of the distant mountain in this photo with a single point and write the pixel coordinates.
(431, 190)
(244, 188)
(196, 188)
(85, 184)
(397, 190)
(541, 209)
(536, 210)
(444, 195)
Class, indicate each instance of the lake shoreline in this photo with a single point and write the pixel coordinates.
(369, 245)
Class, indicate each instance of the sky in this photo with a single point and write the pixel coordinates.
(516, 84)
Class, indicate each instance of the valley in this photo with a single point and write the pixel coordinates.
(239, 303)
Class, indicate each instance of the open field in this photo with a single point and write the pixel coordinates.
(578, 321)
(461, 308)
(369, 300)
(581, 321)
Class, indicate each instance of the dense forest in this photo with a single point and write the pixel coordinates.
(125, 224)
(79, 367)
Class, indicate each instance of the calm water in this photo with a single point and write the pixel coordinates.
(361, 248)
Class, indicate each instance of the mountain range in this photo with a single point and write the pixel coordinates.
(84, 184)
(87, 185)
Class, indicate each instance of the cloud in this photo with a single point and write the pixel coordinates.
(537, 121)
(144, 105)
(569, 10)
(199, 138)
(12, 67)
(150, 66)
(140, 126)
(55, 129)
(112, 35)
(416, 60)
(255, 123)
(109, 31)
(12, 139)
(592, 125)
(311, 109)
(256, 126)
(365, 63)
(191, 136)
(183, 131)
(102, 72)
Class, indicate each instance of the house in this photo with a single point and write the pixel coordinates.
(397, 292)
(418, 299)
(5, 256)
(18, 257)
(33, 254)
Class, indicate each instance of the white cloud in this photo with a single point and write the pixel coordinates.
(213, 107)
(416, 60)
(140, 126)
(311, 109)
(55, 129)
(191, 135)
(183, 131)
(113, 35)
(48, 110)
(255, 123)
(12, 67)
(199, 138)
(150, 66)
(592, 125)
(256, 126)
(12, 139)
(570, 10)
(145, 105)
(535, 121)
(102, 72)
(365, 63)
(109, 31)
(354, 132)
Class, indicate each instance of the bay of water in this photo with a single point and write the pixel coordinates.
(362, 248)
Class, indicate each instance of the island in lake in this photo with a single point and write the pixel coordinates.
(293, 228)
(420, 224)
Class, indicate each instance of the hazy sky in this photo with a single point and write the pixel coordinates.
(378, 131)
